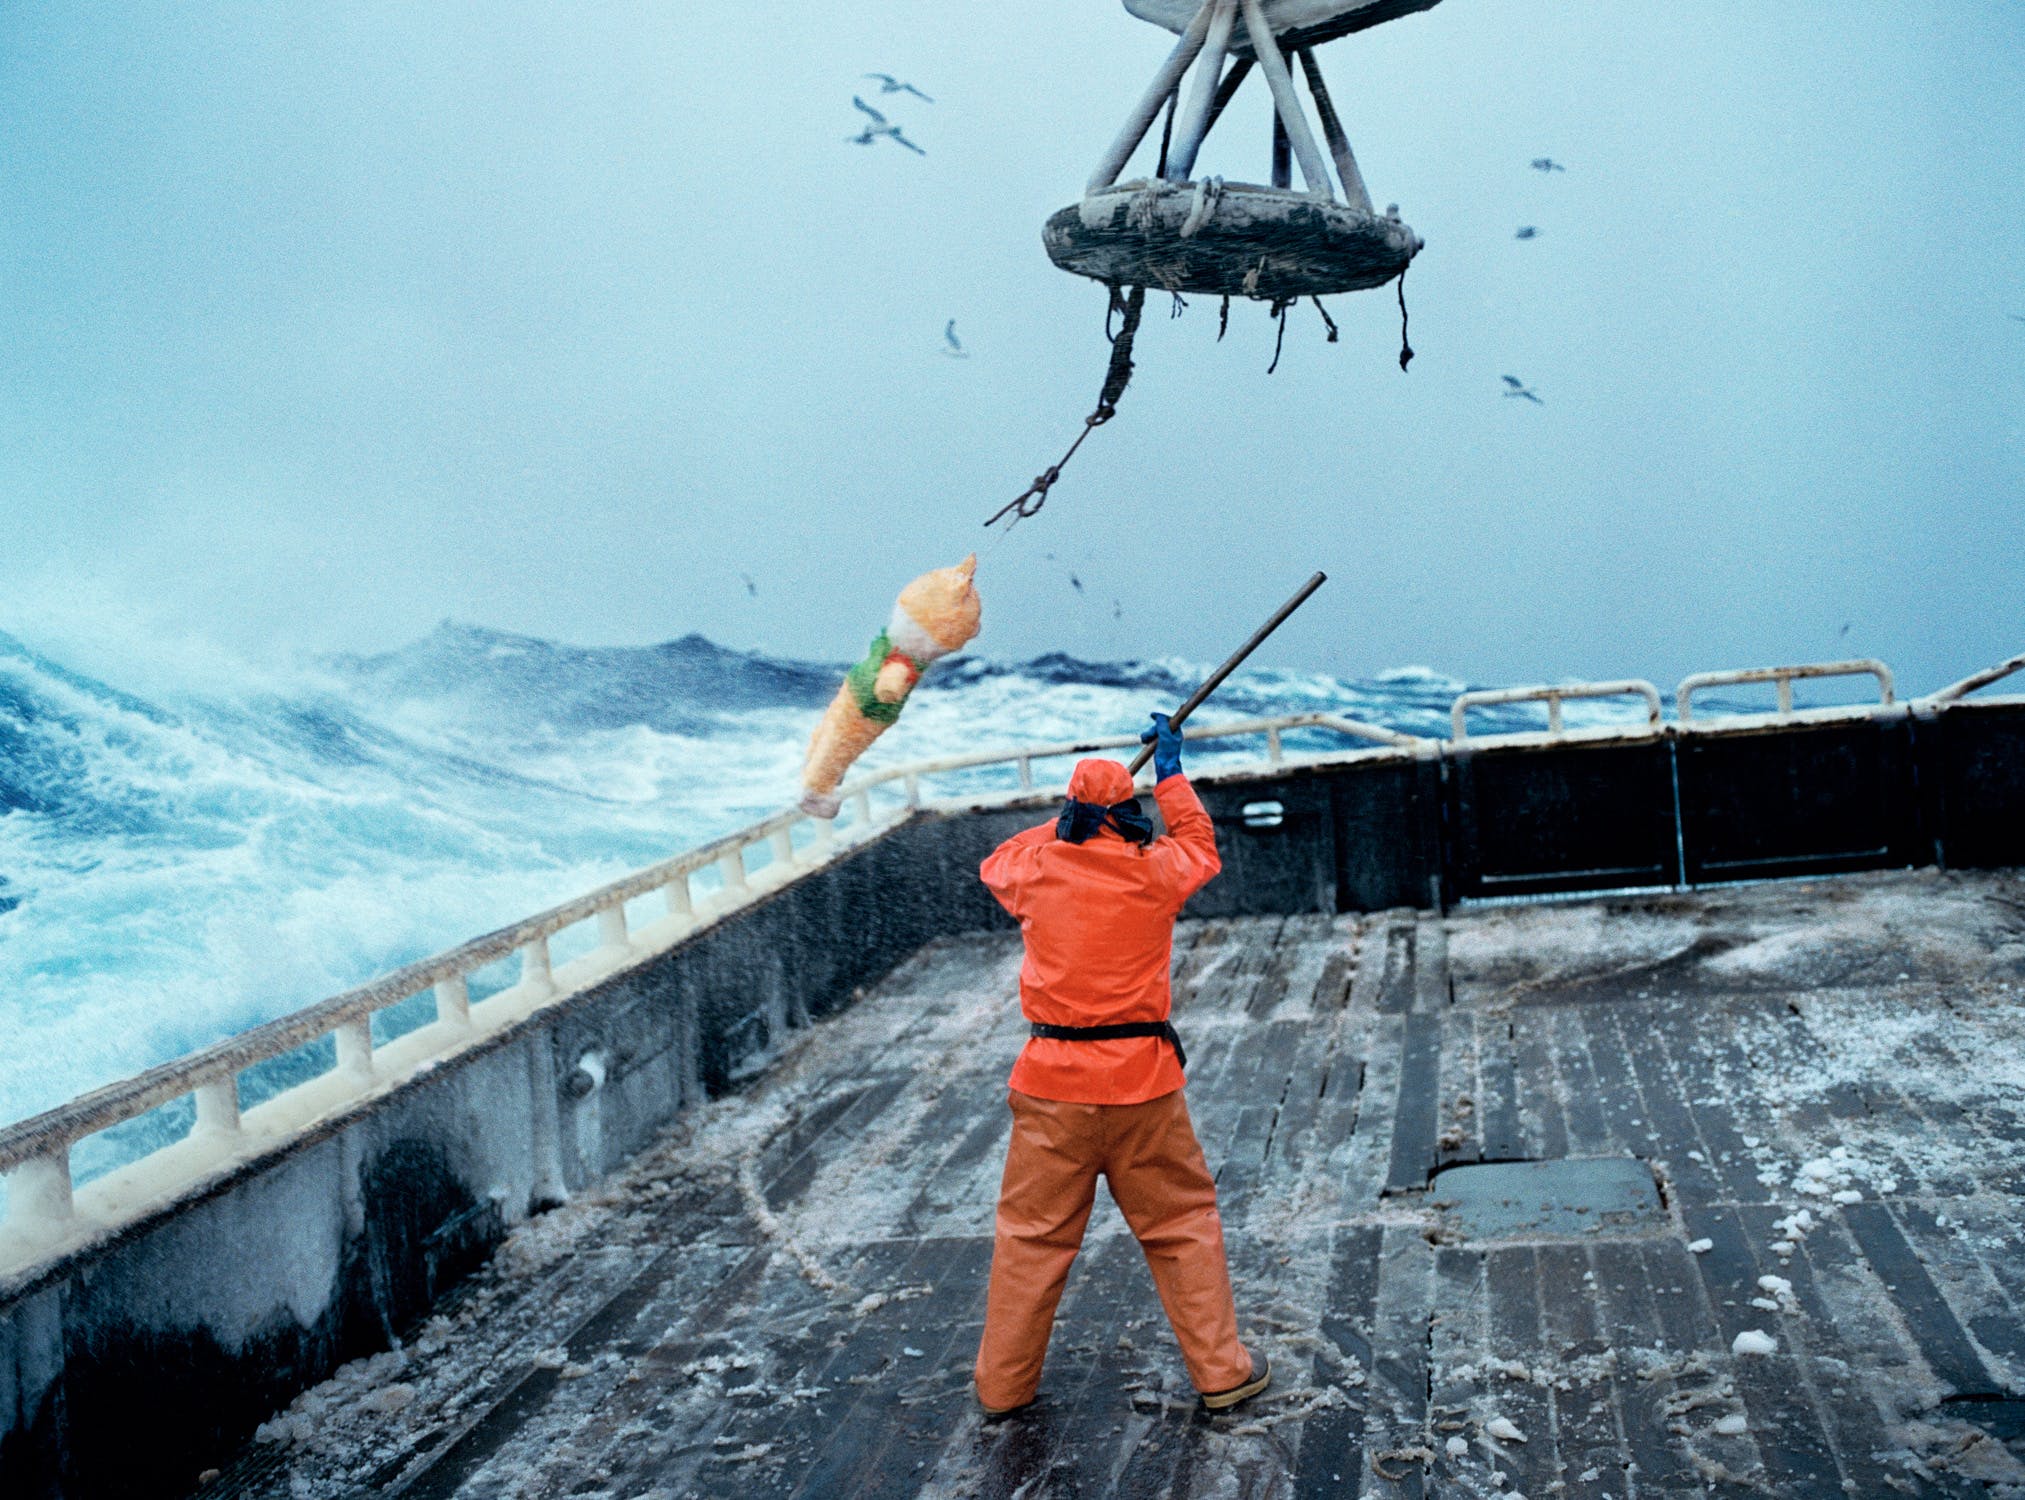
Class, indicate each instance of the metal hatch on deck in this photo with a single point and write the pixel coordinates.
(1569, 1198)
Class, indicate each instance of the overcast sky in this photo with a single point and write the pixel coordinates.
(319, 324)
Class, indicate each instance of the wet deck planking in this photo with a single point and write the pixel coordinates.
(817, 1341)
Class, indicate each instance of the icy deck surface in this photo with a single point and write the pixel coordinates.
(1827, 1079)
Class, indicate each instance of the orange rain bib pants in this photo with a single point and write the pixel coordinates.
(1098, 921)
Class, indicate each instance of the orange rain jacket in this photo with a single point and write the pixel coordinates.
(1098, 918)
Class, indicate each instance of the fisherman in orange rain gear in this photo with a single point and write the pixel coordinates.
(1097, 1089)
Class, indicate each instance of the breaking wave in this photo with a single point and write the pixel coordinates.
(178, 866)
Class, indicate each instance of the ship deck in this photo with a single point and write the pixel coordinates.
(783, 1298)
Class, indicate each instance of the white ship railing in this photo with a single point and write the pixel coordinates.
(35, 1155)
(1954, 692)
(1784, 678)
(42, 1214)
(1553, 695)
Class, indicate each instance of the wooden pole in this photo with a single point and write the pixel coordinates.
(1193, 124)
(1164, 83)
(1354, 191)
(1274, 65)
(1235, 74)
(1215, 679)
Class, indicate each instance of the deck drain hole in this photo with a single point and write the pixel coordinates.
(1568, 1198)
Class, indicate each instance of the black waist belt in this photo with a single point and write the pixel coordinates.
(1162, 1029)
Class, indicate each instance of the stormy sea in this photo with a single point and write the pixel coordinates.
(181, 862)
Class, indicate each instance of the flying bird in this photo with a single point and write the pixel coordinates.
(2017, 317)
(1518, 388)
(1075, 583)
(888, 84)
(1117, 610)
(953, 345)
(1526, 232)
(878, 127)
(1547, 164)
(750, 587)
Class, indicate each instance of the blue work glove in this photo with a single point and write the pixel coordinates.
(1166, 742)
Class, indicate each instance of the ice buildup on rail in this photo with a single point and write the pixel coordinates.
(936, 615)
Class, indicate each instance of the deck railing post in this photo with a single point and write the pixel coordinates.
(1553, 713)
(1026, 773)
(39, 1192)
(1785, 697)
(913, 791)
(1273, 752)
(784, 846)
(355, 1048)
(861, 804)
(677, 892)
(453, 1002)
(612, 935)
(535, 971)
(733, 866)
(218, 1106)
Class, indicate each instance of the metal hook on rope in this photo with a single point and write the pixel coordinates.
(1117, 375)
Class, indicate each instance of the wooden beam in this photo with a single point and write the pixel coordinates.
(1195, 121)
(1354, 191)
(1141, 118)
(1274, 65)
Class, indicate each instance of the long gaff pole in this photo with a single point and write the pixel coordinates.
(1215, 679)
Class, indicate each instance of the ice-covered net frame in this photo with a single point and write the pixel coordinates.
(1237, 239)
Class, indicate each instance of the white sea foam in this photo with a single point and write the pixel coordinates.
(192, 858)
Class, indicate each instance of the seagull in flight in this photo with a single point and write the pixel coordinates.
(750, 587)
(1518, 388)
(877, 127)
(888, 84)
(2016, 317)
(1075, 583)
(1547, 164)
(953, 346)
(1526, 232)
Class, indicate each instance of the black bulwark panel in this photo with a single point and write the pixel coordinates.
(1274, 839)
(1387, 817)
(1798, 799)
(1561, 818)
(1972, 772)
